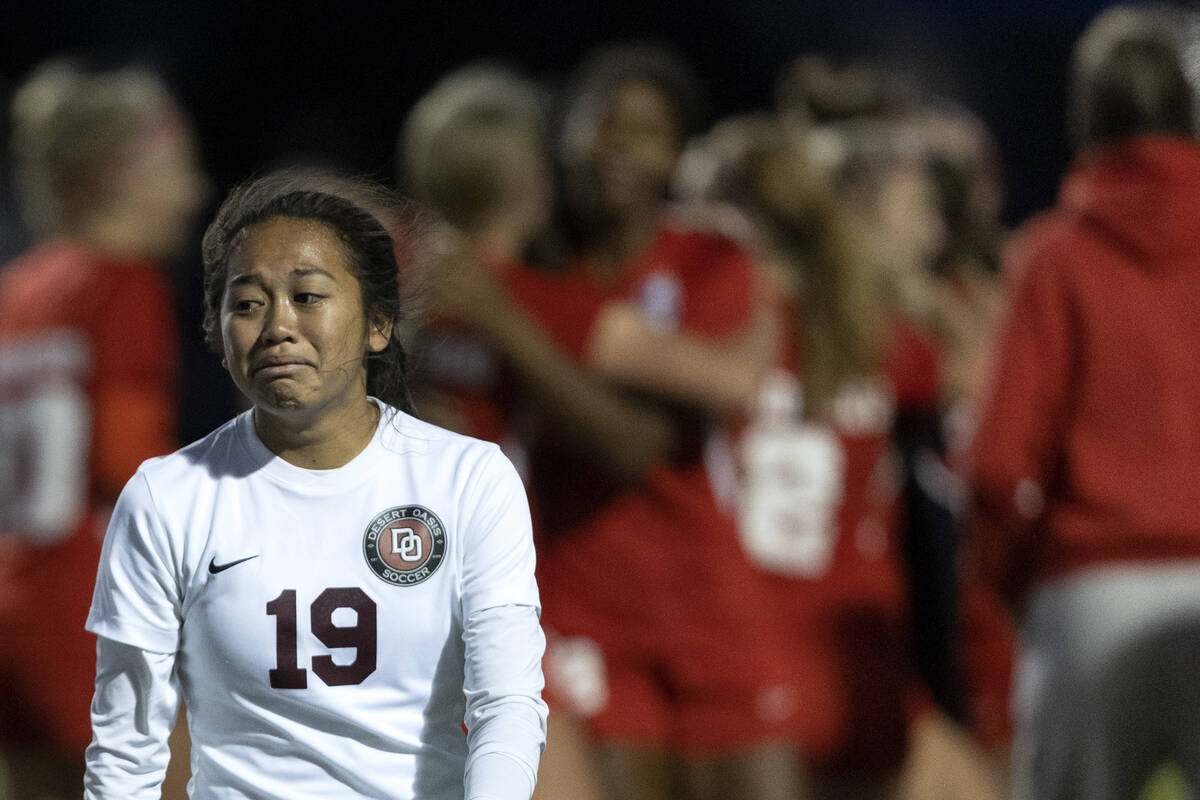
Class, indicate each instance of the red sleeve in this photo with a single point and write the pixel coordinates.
(134, 348)
(564, 306)
(1016, 445)
(720, 289)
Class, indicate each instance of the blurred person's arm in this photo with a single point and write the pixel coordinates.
(722, 375)
(966, 309)
(1015, 448)
(728, 341)
(626, 437)
(133, 712)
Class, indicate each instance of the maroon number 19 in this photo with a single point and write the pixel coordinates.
(362, 636)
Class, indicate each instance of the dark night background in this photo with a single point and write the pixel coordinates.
(268, 82)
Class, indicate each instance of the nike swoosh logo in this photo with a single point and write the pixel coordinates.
(214, 567)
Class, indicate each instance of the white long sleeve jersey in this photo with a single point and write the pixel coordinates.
(367, 631)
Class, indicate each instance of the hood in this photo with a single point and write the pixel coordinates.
(1145, 192)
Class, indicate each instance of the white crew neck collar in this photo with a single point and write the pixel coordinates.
(278, 469)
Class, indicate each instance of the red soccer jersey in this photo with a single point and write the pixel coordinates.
(820, 493)
(87, 361)
(660, 555)
(816, 496)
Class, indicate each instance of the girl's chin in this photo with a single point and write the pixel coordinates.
(278, 396)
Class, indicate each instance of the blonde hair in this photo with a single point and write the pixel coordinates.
(840, 316)
(464, 139)
(68, 125)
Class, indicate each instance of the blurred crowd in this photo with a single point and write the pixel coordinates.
(807, 434)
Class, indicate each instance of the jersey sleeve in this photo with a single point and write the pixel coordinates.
(137, 600)
(720, 290)
(566, 310)
(135, 354)
(498, 555)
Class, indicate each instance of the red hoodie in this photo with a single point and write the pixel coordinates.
(1088, 450)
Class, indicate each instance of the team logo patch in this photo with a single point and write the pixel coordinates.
(405, 545)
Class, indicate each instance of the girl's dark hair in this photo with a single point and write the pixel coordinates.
(654, 64)
(377, 229)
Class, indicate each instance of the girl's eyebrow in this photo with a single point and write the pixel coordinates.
(302, 271)
(257, 279)
(246, 278)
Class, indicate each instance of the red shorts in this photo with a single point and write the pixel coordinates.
(679, 675)
(872, 657)
(692, 700)
(47, 659)
(850, 662)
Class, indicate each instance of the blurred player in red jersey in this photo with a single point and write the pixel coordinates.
(1084, 495)
(890, 179)
(667, 646)
(474, 150)
(816, 480)
(950, 304)
(108, 176)
(810, 470)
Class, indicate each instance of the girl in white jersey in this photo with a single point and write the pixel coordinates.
(343, 594)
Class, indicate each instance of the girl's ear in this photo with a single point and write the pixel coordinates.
(379, 335)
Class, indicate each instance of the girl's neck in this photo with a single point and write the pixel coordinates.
(324, 441)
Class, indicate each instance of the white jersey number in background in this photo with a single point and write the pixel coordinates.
(794, 476)
(45, 427)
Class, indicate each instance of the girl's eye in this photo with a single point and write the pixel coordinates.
(244, 306)
(308, 298)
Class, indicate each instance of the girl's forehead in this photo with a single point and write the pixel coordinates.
(290, 245)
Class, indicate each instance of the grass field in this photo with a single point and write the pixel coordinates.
(1167, 784)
